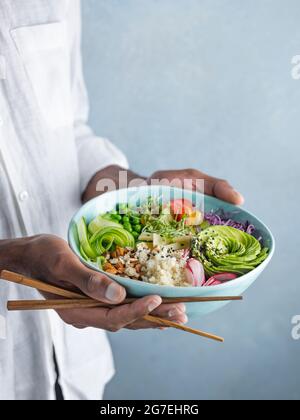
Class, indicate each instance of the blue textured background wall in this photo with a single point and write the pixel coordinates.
(207, 84)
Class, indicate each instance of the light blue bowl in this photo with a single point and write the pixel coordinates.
(237, 287)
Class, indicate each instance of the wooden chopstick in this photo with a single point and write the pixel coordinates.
(166, 323)
(44, 287)
(31, 305)
(65, 305)
(37, 284)
(58, 304)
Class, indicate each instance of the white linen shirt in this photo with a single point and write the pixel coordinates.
(47, 156)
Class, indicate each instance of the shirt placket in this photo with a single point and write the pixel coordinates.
(10, 164)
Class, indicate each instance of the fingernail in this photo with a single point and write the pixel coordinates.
(184, 320)
(174, 312)
(179, 310)
(231, 189)
(153, 305)
(181, 307)
(236, 192)
(239, 196)
(113, 292)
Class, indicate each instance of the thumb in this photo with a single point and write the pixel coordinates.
(224, 191)
(95, 285)
(221, 189)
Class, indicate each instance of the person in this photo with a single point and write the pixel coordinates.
(51, 162)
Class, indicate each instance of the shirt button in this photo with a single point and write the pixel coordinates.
(23, 196)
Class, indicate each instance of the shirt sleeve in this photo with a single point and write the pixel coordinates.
(94, 153)
(3, 311)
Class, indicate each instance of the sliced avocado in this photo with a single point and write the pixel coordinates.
(84, 240)
(224, 249)
(101, 222)
(205, 225)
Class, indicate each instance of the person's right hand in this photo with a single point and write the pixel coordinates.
(50, 259)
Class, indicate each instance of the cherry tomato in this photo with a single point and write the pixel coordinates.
(181, 208)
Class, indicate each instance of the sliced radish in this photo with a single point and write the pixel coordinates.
(194, 272)
(186, 253)
(212, 282)
(220, 278)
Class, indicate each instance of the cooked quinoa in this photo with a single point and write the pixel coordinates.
(162, 265)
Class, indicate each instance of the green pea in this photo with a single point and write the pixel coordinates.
(138, 228)
(114, 212)
(135, 220)
(125, 219)
(128, 227)
(135, 235)
(116, 217)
